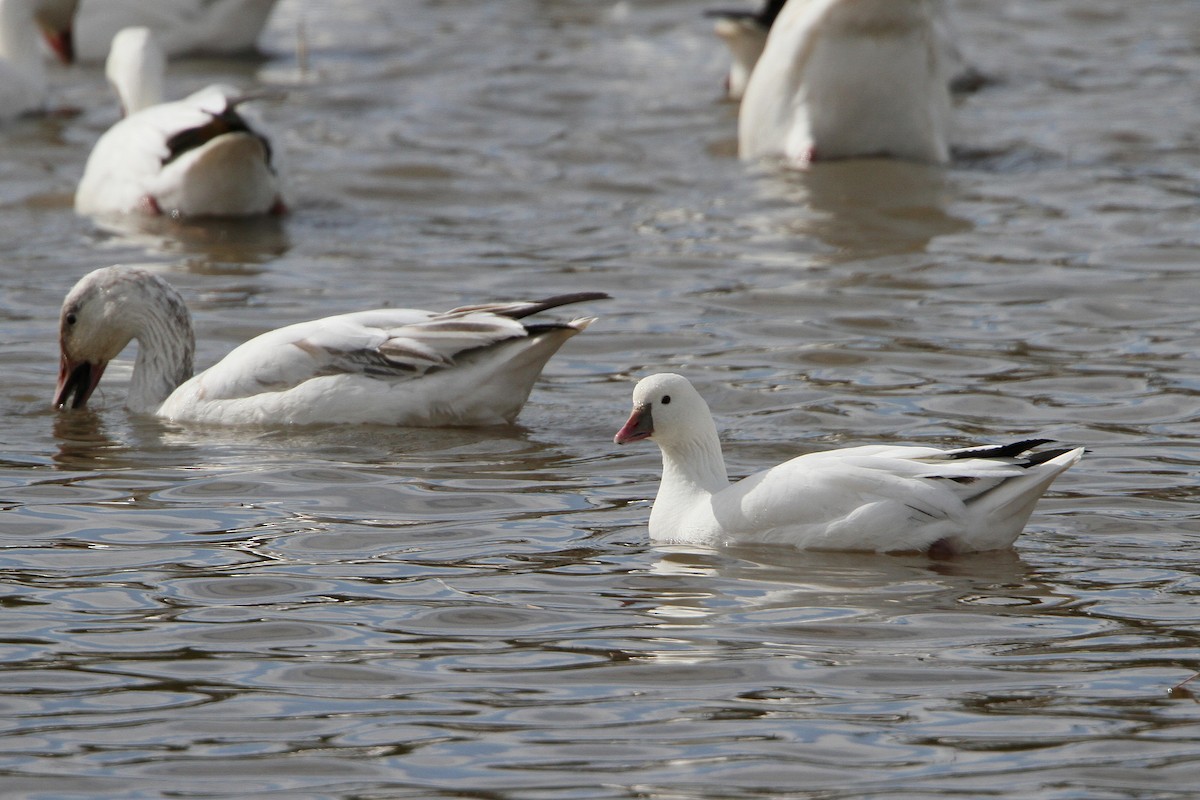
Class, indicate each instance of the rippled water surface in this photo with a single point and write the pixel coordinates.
(386, 613)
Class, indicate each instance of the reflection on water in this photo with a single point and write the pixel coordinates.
(82, 440)
(253, 240)
(865, 207)
(389, 612)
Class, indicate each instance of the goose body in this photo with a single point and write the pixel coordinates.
(878, 498)
(22, 71)
(469, 366)
(745, 34)
(849, 78)
(185, 27)
(199, 156)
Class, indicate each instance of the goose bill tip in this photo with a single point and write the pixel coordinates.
(640, 425)
(77, 381)
(62, 43)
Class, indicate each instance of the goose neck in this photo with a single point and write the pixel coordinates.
(695, 466)
(166, 352)
(19, 40)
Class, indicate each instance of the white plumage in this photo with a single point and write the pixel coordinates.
(850, 78)
(469, 366)
(22, 71)
(199, 156)
(185, 27)
(880, 498)
(135, 68)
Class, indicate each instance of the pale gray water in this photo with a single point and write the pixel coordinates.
(377, 613)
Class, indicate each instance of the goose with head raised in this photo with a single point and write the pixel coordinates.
(474, 365)
(878, 498)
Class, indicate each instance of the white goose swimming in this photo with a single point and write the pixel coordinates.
(473, 365)
(199, 156)
(22, 71)
(878, 498)
(850, 78)
(185, 27)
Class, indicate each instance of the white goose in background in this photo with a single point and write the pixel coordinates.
(745, 34)
(185, 27)
(22, 68)
(473, 365)
(849, 78)
(135, 68)
(877, 498)
(199, 156)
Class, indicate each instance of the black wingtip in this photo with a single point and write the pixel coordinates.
(538, 306)
(771, 11)
(548, 327)
(1014, 450)
(1011, 450)
(1044, 456)
(764, 16)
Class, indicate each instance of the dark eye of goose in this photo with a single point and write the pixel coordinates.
(666, 400)
(71, 318)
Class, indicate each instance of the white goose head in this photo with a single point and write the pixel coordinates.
(102, 314)
(669, 410)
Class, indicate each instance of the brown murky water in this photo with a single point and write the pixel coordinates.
(371, 613)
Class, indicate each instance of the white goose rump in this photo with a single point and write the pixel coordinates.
(474, 365)
(879, 498)
(847, 79)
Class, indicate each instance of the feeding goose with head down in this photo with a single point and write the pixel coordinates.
(878, 498)
(474, 365)
(850, 79)
(745, 34)
(199, 156)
